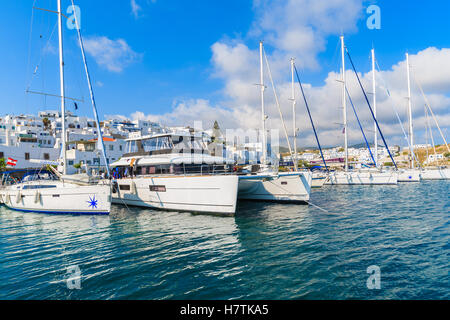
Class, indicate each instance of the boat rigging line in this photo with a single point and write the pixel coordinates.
(360, 126)
(370, 108)
(279, 109)
(91, 92)
(310, 118)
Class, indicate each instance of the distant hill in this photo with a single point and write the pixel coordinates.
(363, 145)
(283, 149)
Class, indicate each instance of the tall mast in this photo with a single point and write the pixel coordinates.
(426, 133)
(374, 90)
(101, 144)
(263, 113)
(61, 75)
(411, 136)
(344, 103)
(294, 121)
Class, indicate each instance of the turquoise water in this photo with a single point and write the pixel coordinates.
(268, 251)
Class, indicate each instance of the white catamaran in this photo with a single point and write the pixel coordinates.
(173, 171)
(55, 192)
(265, 183)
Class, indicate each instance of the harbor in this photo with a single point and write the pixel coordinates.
(302, 174)
(267, 251)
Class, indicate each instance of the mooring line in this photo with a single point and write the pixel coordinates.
(324, 210)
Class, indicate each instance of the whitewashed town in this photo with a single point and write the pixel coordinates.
(257, 150)
(30, 140)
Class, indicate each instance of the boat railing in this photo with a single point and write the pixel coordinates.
(202, 171)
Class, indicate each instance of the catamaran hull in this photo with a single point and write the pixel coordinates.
(281, 187)
(435, 174)
(204, 194)
(362, 178)
(409, 176)
(65, 199)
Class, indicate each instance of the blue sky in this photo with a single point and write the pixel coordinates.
(174, 39)
(167, 55)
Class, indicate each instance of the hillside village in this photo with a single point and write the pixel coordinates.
(32, 140)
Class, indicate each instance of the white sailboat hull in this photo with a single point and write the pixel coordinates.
(318, 180)
(409, 176)
(281, 187)
(57, 197)
(435, 174)
(206, 194)
(362, 178)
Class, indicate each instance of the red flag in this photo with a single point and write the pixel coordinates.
(11, 162)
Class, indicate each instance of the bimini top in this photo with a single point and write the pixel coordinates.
(179, 133)
(176, 159)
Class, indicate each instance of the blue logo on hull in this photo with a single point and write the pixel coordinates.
(92, 203)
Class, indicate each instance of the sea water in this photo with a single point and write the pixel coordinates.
(267, 251)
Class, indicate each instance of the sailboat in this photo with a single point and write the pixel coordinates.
(438, 173)
(412, 174)
(55, 192)
(266, 183)
(318, 178)
(351, 177)
(415, 173)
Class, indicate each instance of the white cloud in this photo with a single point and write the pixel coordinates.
(113, 55)
(301, 29)
(135, 8)
(187, 112)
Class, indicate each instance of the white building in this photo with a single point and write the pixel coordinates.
(435, 157)
(87, 153)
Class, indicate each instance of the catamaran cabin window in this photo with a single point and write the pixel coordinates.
(159, 169)
(38, 187)
(132, 146)
(158, 188)
(160, 143)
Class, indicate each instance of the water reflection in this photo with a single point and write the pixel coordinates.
(267, 251)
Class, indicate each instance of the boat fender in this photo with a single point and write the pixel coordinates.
(8, 198)
(37, 197)
(133, 187)
(19, 197)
